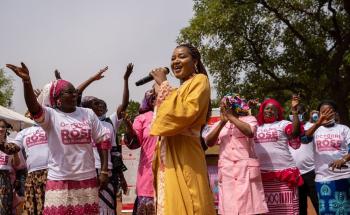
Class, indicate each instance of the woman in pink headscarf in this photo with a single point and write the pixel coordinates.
(72, 185)
(280, 176)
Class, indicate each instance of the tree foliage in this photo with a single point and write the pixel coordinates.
(6, 90)
(132, 110)
(274, 48)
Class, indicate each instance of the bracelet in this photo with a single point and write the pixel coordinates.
(343, 159)
(104, 172)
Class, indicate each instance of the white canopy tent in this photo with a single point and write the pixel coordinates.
(17, 120)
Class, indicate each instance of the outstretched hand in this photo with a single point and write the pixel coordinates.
(326, 116)
(99, 74)
(21, 72)
(129, 70)
(295, 102)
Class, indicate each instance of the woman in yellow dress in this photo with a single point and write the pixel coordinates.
(179, 166)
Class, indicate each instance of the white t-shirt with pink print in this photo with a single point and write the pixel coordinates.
(272, 148)
(33, 141)
(5, 159)
(70, 138)
(331, 143)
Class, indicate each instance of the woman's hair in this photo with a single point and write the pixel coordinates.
(8, 126)
(275, 103)
(328, 102)
(199, 68)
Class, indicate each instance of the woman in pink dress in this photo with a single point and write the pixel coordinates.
(240, 186)
(138, 137)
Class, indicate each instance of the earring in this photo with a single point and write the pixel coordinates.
(196, 69)
(59, 103)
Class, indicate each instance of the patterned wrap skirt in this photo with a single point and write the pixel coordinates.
(281, 199)
(34, 192)
(6, 193)
(107, 197)
(144, 205)
(334, 196)
(71, 197)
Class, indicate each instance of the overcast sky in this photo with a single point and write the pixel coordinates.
(81, 36)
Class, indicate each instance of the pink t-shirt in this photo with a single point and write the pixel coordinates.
(111, 133)
(330, 144)
(272, 148)
(141, 126)
(70, 138)
(33, 141)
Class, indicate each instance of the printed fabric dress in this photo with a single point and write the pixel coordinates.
(181, 177)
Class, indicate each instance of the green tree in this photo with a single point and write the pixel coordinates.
(132, 110)
(6, 90)
(274, 48)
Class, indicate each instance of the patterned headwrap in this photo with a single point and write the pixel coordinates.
(147, 102)
(44, 97)
(238, 104)
(262, 107)
(55, 90)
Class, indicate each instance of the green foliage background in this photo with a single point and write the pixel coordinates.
(275, 48)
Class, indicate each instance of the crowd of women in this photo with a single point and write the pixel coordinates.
(267, 164)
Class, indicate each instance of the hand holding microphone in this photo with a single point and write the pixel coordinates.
(158, 74)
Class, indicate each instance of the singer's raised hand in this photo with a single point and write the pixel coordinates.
(129, 69)
(21, 72)
(159, 74)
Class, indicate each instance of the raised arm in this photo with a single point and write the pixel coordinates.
(296, 122)
(233, 118)
(213, 135)
(125, 102)
(131, 140)
(57, 75)
(325, 117)
(93, 78)
(29, 95)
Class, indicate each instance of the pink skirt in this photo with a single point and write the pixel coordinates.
(71, 197)
(281, 199)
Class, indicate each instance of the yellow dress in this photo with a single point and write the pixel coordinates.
(179, 166)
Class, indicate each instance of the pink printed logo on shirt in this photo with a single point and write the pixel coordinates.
(75, 133)
(4, 159)
(266, 135)
(36, 139)
(328, 142)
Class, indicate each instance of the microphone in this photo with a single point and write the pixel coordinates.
(148, 78)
